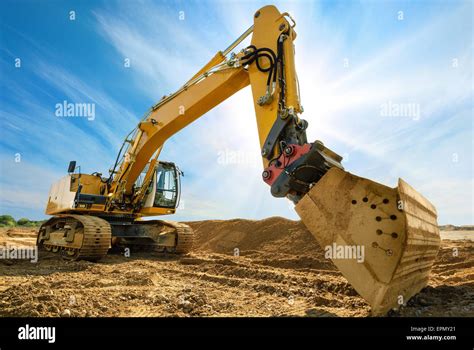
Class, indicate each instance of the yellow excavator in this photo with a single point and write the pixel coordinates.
(396, 227)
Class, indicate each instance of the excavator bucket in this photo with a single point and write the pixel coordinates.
(384, 240)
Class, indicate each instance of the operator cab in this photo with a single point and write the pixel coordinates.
(164, 189)
(167, 186)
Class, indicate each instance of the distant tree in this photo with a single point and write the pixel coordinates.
(33, 224)
(23, 222)
(7, 221)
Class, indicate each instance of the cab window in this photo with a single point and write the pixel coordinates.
(166, 186)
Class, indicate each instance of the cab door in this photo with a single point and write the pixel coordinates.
(167, 191)
(163, 194)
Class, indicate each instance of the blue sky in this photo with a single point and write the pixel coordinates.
(354, 58)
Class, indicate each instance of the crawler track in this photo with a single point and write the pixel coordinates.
(77, 237)
(90, 239)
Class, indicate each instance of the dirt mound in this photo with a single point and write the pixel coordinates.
(275, 242)
(272, 235)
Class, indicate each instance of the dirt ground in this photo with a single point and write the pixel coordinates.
(271, 267)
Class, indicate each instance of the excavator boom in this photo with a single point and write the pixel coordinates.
(291, 163)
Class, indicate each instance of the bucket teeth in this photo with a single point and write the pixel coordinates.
(383, 240)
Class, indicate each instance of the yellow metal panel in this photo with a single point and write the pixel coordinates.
(292, 93)
(156, 211)
(91, 184)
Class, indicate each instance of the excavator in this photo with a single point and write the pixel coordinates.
(397, 227)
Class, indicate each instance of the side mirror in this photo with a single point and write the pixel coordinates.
(72, 166)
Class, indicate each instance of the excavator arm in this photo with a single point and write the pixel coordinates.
(291, 164)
